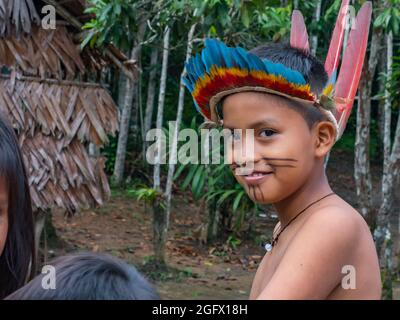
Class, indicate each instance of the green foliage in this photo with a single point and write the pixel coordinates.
(144, 193)
(273, 23)
(115, 21)
(233, 242)
(389, 17)
(110, 152)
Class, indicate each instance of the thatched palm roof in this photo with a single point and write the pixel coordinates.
(54, 113)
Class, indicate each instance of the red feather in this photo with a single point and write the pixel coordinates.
(335, 46)
(353, 59)
(227, 81)
(298, 32)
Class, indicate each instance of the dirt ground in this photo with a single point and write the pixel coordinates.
(123, 228)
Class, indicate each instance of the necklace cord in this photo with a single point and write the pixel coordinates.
(275, 239)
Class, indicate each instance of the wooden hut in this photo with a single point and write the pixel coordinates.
(47, 93)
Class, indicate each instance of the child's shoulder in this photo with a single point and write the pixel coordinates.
(338, 214)
(338, 223)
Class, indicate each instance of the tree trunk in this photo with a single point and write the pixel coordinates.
(160, 234)
(121, 90)
(130, 90)
(160, 109)
(382, 234)
(362, 172)
(381, 108)
(137, 108)
(159, 210)
(391, 163)
(174, 151)
(151, 90)
(213, 222)
(317, 17)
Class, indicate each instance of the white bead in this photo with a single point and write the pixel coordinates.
(268, 247)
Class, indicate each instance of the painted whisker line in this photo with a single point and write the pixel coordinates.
(251, 191)
(283, 165)
(282, 159)
(262, 194)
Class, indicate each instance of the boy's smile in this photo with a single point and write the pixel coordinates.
(283, 157)
(256, 177)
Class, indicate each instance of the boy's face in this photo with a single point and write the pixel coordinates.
(284, 146)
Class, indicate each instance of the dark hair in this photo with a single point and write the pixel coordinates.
(305, 63)
(89, 276)
(308, 65)
(17, 262)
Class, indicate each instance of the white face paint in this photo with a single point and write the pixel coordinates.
(3, 214)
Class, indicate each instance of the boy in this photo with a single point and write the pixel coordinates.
(321, 248)
(89, 276)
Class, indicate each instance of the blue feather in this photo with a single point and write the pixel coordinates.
(270, 66)
(214, 51)
(190, 72)
(227, 55)
(332, 79)
(200, 64)
(207, 60)
(197, 64)
(239, 60)
(187, 84)
(197, 107)
(193, 74)
(255, 63)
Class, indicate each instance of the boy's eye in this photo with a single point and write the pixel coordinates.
(267, 133)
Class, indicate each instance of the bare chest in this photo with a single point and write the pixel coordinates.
(265, 271)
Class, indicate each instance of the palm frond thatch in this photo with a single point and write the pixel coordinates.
(55, 114)
(18, 16)
(67, 111)
(44, 53)
(53, 121)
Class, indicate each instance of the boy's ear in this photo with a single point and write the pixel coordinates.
(325, 133)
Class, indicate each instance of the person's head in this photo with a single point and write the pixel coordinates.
(88, 276)
(291, 138)
(16, 218)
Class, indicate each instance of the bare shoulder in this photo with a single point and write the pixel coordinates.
(332, 233)
(340, 215)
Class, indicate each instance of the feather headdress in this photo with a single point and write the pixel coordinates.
(220, 70)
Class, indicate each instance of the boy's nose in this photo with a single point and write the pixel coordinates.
(244, 156)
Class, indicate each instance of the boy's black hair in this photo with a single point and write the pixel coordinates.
(17, 261)
(89, 276)
(308, 65)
